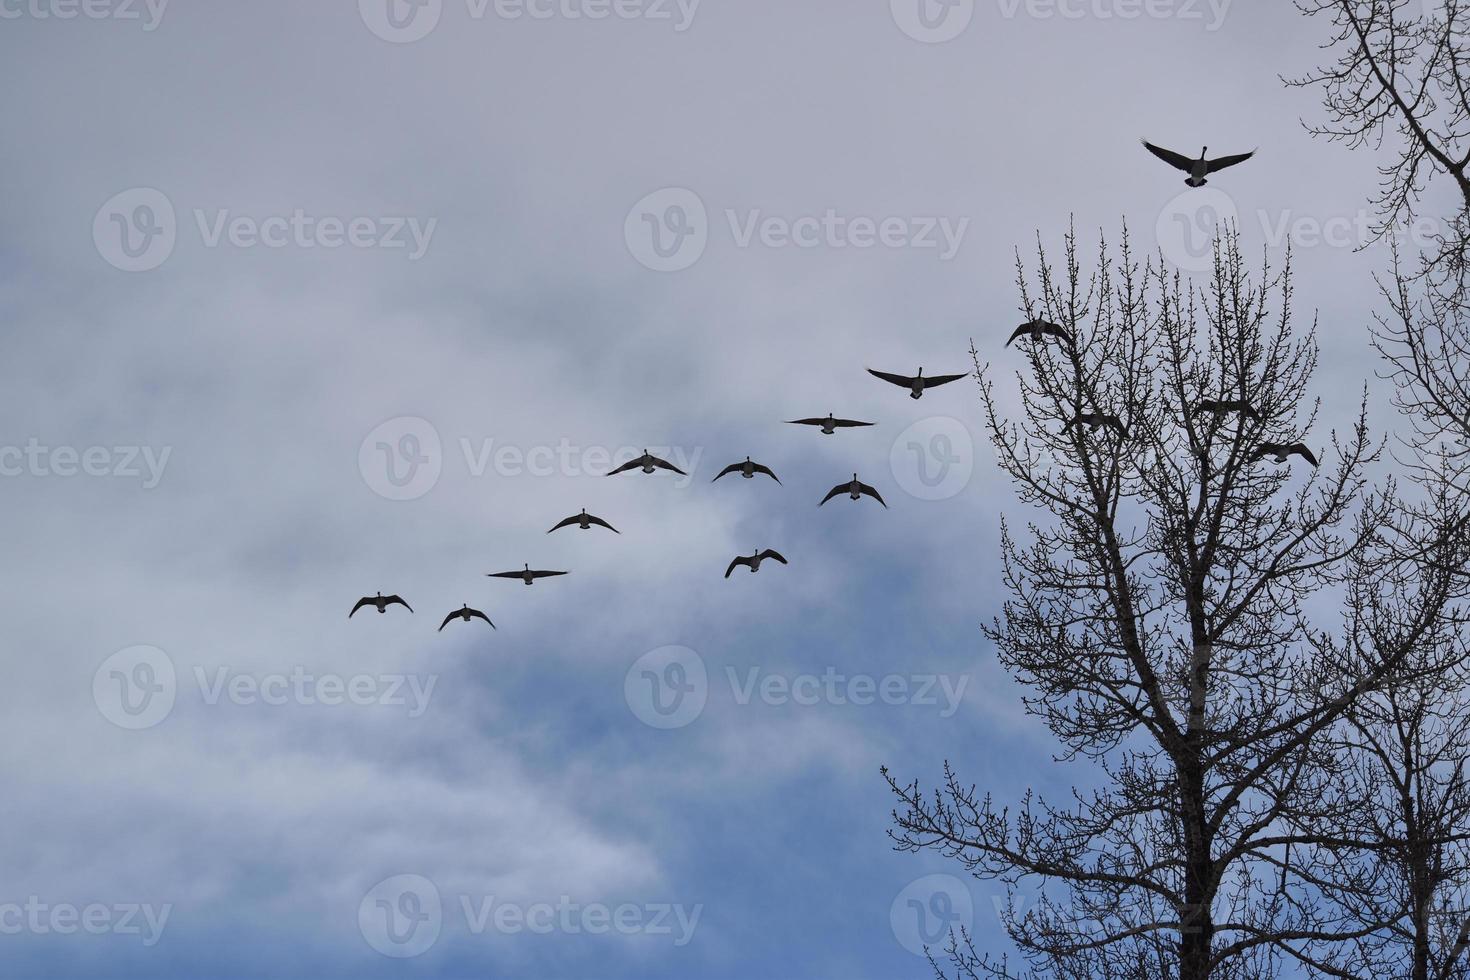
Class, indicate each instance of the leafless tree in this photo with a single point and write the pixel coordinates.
(1399, 79)
(1166, 617)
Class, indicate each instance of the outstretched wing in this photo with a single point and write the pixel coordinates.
(1220, 163)
(390, 599)
(767, 471)
(1057, 330)
(476, 614)
(1116, 423)
(505, 574)
(446, 621)
(864, 488)
(737, 561)
(943, 379)
(664, 464)
(841, 488)
(1266, 449)
(893, 379)
(807, 422)
(536, 573)
(733, 467)
(599, 521)
(849, 423)
(568, 522)
(360, 603)
(1021, 331)
(1177, 160)
(1304, 453)
(772, 553)
(632, 464)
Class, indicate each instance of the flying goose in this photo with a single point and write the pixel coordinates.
(855, 490)
(1197, 169)
(1281, 450)
(754, 561)
(528, 576)
(830, 424)
(1096, 420)
(748, 470)
(916, 385)
(647, 463)
(1036, 329)
(382, 602)
(585, 521)
(465, 614)
(1221, 407)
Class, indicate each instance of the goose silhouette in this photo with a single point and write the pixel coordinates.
(1096, 420)
(1037, 329)
(465, 614)
(754, 561)
(748, 470)
(830, 424)
(585, 521)
(647, 463)
(381, 601)
(854, 489)
(1199, 169)
(917, 384)
(1280, 452)
(1222, 407)
(528, 575)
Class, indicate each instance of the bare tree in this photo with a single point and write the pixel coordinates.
(1399, 79)
(1163, 618)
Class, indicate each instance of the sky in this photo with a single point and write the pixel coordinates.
(306, 302)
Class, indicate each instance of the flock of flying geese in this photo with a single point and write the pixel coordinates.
(1037, 330)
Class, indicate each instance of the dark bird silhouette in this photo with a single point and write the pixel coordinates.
(1096, 420)
(528, 576)
(748, 470)
(1221, 407)
(465, 614)
(1280, 451)
(830, 424)
(382, 602)
(855, 489)
(1199, 169)
(1037, 329)
(647, 463)
(754, 561)
(916, 385)
(585, 521)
